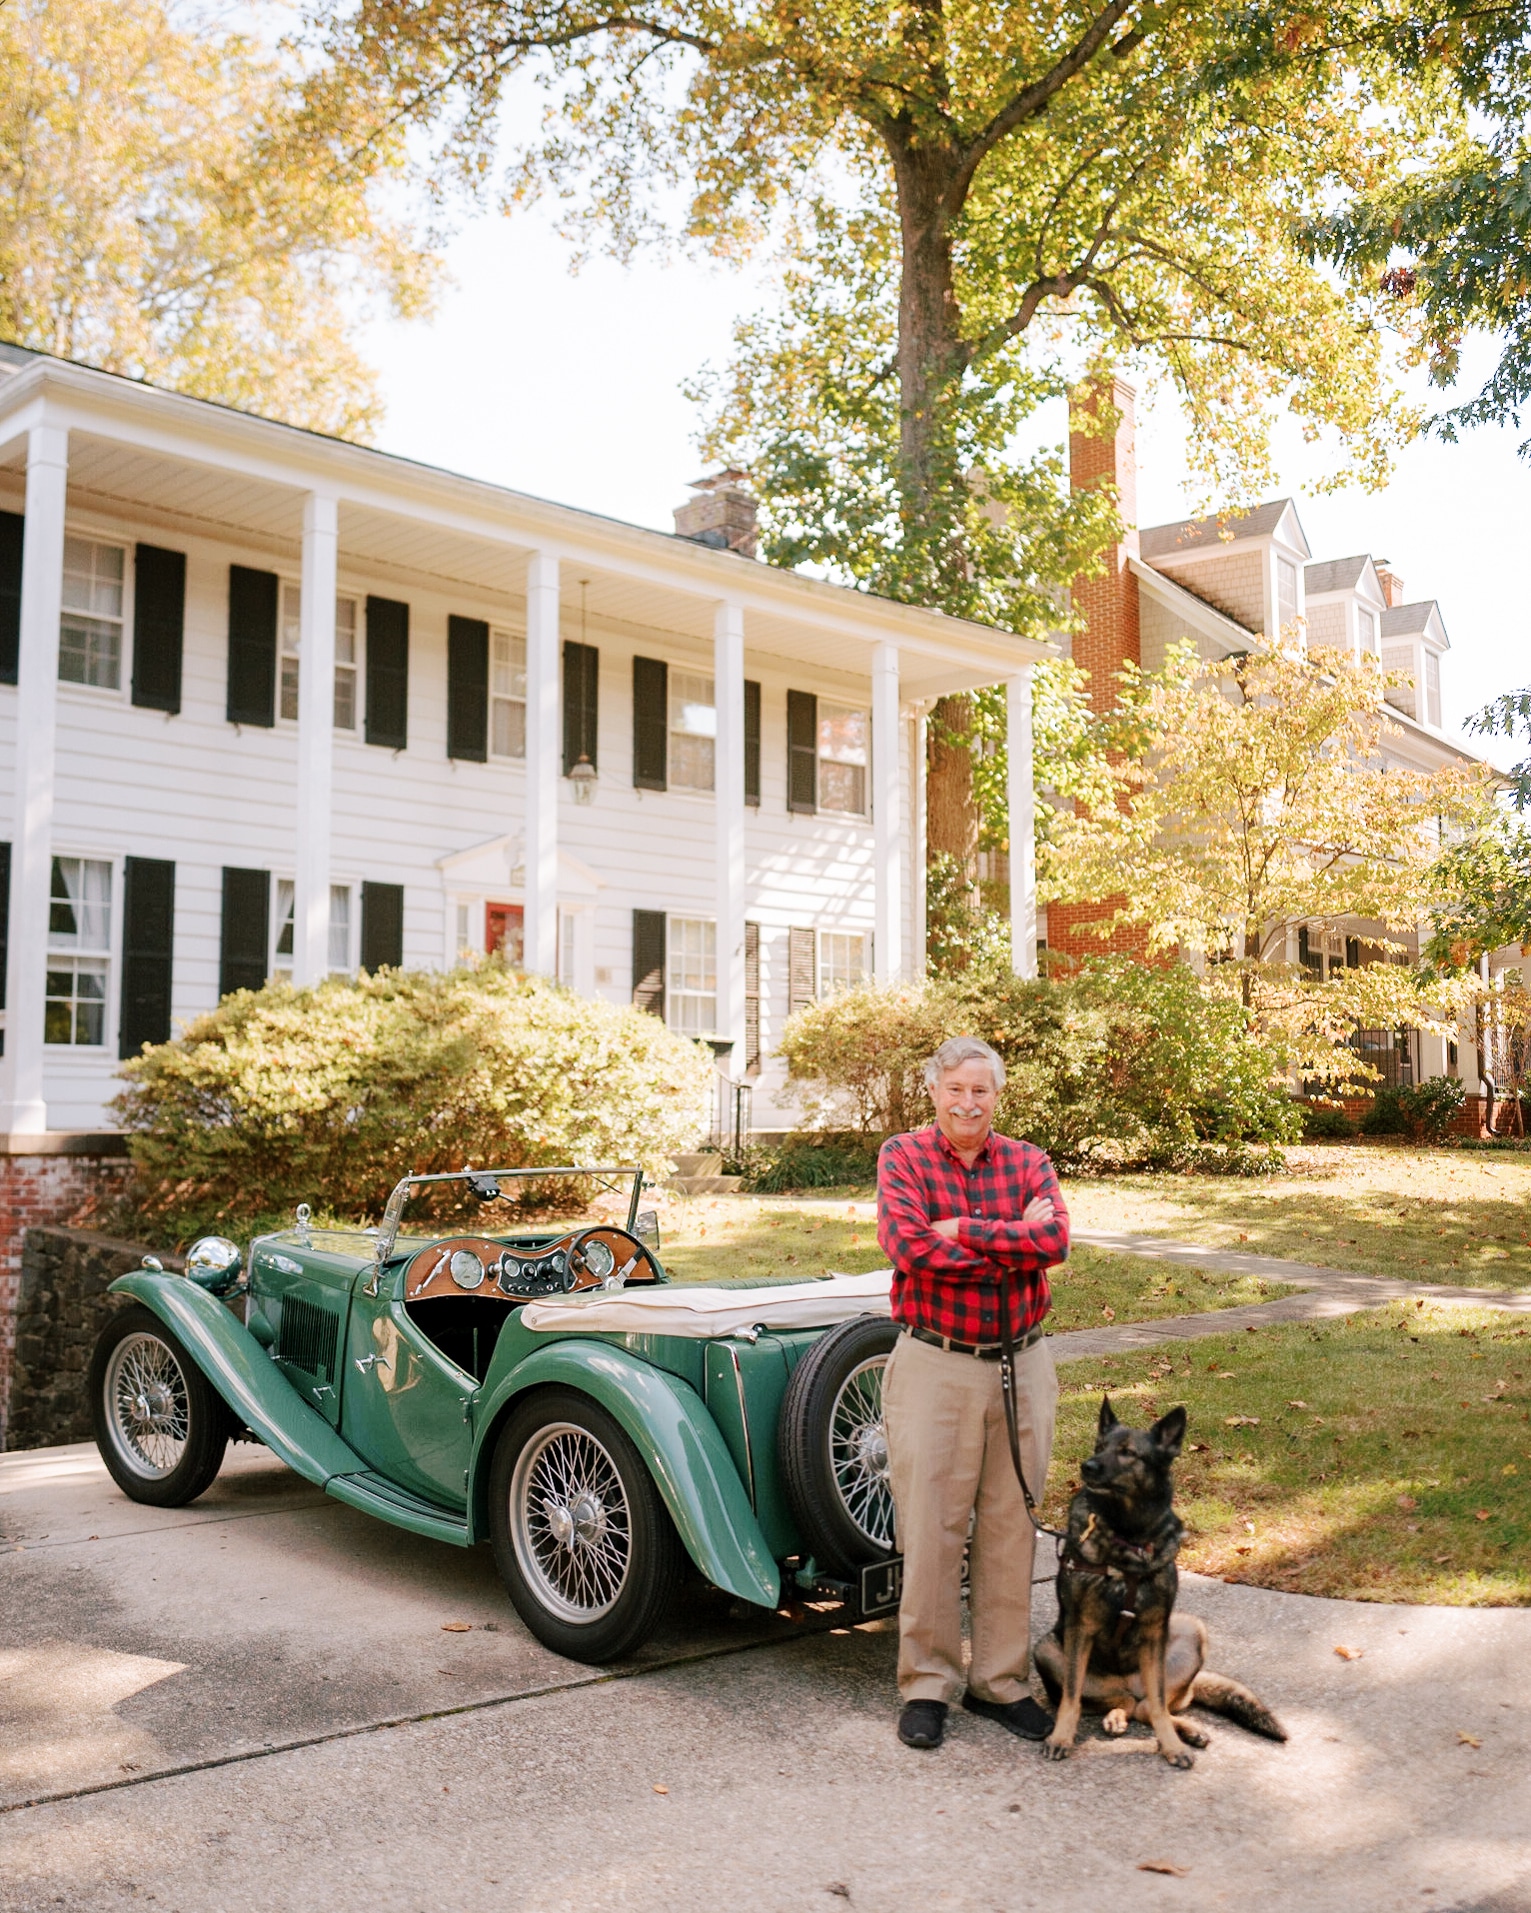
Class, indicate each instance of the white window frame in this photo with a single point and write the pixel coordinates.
(826, 707)
(289, 626)
(678, 931)
(1432, 697)
(837, 965)
(1286, 570)
(283, 911)
(503, 701)
(121, 619)
(105, 952)
(1369, 631)
(691, 722)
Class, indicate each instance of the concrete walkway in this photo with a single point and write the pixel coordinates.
(1318, 1293)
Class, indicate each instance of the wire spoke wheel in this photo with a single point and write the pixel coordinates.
(570, 1522)
(148, 1406)
(858, 1451)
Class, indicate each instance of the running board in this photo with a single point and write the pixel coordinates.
(375, 1495)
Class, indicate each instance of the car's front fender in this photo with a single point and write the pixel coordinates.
(244, 1375)
(669, 1423)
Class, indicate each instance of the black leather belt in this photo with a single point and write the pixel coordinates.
(984, 1351)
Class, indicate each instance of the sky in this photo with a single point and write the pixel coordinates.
(567, 386)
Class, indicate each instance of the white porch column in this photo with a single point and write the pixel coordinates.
(1021, 802)
(544, 748)
(316, 721)
(42, 584)
(887, 819)
(728, 696)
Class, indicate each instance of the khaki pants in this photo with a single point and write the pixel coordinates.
(949, 1462)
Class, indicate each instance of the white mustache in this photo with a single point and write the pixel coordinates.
(967, 1112)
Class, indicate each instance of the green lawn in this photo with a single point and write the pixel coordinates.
(1384, 1457)
(740, 1235)
(1426, 1215)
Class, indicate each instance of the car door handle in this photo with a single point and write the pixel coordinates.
(364, 1362)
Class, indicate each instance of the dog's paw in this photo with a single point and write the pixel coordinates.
(1192, 1736)
(1116, 1721)
(1055, 1749)
(1178, 1757)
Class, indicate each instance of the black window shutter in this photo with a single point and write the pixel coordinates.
(751, 996)
(751, 742)
(802, 984)
(246, 943)
(581, 678)
(651, 723)
(649, 961)
(148, 944)
(387, 673)
(5, 925)
(252, 646)
(468, 689)
(159, 619)
(382, 926)
(802, 751)
(12, 525)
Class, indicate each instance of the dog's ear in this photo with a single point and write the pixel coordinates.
(1169, 1431)
(1107, 1419)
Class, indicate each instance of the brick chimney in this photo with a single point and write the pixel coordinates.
(1391, 583)
(1102, 430)
(722, 514)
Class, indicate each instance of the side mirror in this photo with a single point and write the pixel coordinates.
(481, 1186)
(646, 1228)
(213, 1263)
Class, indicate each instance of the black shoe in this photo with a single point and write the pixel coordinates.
(1023, 1717)
(922, 1723)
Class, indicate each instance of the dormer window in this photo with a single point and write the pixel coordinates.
(1366, 626)
(1286, 592)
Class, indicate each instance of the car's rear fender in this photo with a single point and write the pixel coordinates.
(244, 1375)
(672, 1430)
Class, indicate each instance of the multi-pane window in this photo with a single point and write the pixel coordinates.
(290, 626)
(1432, 689)
(339, 927)
(345, 664)
(691, 975)
(507, 694)
(843, 757)
(79, 951)
(1366, 622)
(566, 933)
(1286, 592)
(842, 960)
(90, 629)
(693, 724)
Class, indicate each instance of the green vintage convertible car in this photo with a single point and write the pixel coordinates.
(550, 1392)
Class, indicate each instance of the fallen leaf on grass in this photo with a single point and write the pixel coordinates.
(1509, 1468)
(1467, 1740)
(1241, 1421)
(1110, 1314)
(1224, 1375)
(1439, 1558)
(457, 1627)
(1483, 1514)
(1407, 1503)
(1350, 1653)
(1297, 1404)
(1162, 1866)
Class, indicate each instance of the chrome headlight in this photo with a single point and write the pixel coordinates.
(213, 1264)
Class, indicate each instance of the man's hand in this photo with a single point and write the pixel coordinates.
(950, 1228)
(1039, 1209)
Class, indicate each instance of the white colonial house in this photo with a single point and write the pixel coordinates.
(272, 702)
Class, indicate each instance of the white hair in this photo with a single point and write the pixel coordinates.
(958, 1050)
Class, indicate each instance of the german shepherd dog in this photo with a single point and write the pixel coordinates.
(1118, 1647)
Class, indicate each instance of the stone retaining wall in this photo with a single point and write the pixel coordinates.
(60, 1310)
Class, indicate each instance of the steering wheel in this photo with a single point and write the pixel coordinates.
(589, 1254)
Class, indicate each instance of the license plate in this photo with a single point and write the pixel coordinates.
(882, 1585)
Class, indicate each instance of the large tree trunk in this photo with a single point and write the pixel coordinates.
(931, 358)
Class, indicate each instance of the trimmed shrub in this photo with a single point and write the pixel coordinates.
(1118, 1062)
(1385, 1117)
(330, 1095)
(1325, 1122)
(811, 1160)
(1427, 1108)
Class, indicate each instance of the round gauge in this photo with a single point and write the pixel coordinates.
(465, 1269)
(599, 1259)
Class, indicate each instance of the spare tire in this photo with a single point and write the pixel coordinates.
(833, 1450)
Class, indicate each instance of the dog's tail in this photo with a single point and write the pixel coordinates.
(1225, 1696)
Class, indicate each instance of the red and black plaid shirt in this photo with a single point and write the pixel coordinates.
(955, 1288)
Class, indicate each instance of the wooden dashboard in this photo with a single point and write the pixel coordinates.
(473, 1265)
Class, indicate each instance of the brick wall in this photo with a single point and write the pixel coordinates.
(1102, 425)
(36, 1190)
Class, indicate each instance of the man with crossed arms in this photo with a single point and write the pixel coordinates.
(971, 1221)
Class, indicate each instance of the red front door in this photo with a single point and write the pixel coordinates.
(503, 932)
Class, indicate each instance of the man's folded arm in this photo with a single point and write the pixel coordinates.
(903, 1228)
(1024, 1244)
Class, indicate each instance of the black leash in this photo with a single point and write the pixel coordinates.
(1012, 1427)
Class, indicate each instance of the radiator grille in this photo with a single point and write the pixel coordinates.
(309, 1336)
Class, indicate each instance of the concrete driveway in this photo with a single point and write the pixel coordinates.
(198, 1705)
